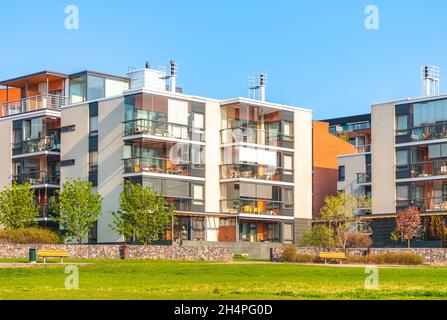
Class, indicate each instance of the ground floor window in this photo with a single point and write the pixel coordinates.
(258, 231)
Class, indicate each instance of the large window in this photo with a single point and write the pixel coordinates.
(96, 88)
(430, 112)
(77, 89)
(402, 158)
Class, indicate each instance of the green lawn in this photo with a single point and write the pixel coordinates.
(201, 280)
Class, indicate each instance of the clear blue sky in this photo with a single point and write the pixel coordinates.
(317, 54)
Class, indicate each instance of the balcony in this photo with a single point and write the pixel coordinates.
(429, 169)
(38, 178)
(31, 104)
(162, 129)
(46, 144)
(424, 133)
(259, 172)
(255, 207)
(350, 127)
(429, 204)
(363, 178)
(363, 149)
(256, 136)
(162, 166)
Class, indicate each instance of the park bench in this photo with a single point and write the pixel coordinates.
(52, 254)
(333, 256)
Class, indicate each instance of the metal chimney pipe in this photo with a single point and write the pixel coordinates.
(173, 77)
(262, 87)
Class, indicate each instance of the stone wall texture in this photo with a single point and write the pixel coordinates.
(19, 251)
(435, 256)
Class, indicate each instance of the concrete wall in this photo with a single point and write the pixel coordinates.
(74, 145)
(303, 164)
(354, 164)
(212, 162)
(110, 164)
(383, 159)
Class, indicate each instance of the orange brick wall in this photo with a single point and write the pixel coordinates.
(326, 148)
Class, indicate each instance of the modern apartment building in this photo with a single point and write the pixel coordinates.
(235, 169)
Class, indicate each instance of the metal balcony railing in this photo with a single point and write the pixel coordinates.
(37, 145)
(162, 129)
(38, 178)
(254, 206)
(46, 101)
(363, 178)
(256, 136)
(247, 171)
(159, 165)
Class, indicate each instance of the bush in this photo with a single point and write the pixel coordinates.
(354, 259)
(358, 240)
(319, 236)
(289, 253)
(304, 258)
(397, 258)
(30, 236)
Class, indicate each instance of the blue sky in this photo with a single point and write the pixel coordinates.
(317, 54)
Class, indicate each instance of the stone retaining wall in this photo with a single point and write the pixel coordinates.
(435, 256)
(18, 251)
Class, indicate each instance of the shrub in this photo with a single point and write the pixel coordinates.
(358, 240)
(289, 253)
(397, 258)
(354, 259)
(320, 236)
(304, 258)
(30, 236)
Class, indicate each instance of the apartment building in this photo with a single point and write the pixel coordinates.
(235, 169)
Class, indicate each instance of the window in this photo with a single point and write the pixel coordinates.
(402, 158)
(288, 198)
(96, 88)
(77, 89)
(288, 165)
(198, 195)
(93, 124)
(93, 161)
(402, 193)
(288, 129)
(341, 173)
(437, 151)
(402, 122)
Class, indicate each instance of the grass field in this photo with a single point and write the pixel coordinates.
(201, 280)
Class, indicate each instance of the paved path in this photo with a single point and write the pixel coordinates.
(38, 265)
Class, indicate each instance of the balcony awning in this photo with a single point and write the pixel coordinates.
(34, 78)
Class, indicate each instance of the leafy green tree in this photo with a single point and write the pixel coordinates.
(76, 207)
(341, 212)
(319, 236)
(143, 214)
(17, 208)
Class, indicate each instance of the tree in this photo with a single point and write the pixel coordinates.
(76, 207)
(319, 236)
(342, 212)
(437, 229)
(143, 214)
(17, 208)
(408, 223)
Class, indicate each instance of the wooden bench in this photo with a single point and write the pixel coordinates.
(333, 256)
(52, 254)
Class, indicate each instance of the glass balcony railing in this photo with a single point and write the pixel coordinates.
(30, 104)
(363, 149)
(247, 171)
(161, 166)
(350, 127)
(254, 206)
(429, 169)
(256, 136)
(38, 178)
(429, 204)
(363, 178)
(423, 133)
(162, 129)
(36, 145)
